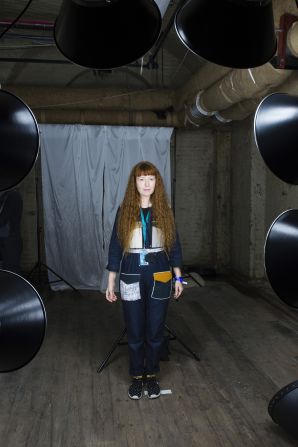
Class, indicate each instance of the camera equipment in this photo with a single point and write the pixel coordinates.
(275, 127)
(22, 321)
(19, 138)
(283, 408)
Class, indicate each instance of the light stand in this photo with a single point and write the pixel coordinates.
(119, 342)
(39, 264)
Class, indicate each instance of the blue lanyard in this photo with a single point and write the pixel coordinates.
(144, 225)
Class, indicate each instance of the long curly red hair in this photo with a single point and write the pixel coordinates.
(129, 213)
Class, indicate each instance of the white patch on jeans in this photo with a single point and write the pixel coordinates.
(130, 292)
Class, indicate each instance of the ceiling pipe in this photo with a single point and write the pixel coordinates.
(291, 85)
(292, 39)
(238, 111)
(245, 108)
(201, 80)
(147, 66)
(107, 117)
(93, 98)
(236, 86)
(239, 85)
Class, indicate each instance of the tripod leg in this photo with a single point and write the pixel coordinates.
(182, 343)
(35, 267)
(116, 343)
(62, 279)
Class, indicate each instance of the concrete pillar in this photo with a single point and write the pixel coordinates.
(221, 204)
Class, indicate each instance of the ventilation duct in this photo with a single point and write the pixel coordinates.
(235, 87)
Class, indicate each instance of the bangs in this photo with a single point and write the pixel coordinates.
(145, 169)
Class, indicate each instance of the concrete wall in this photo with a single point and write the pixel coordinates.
(280, 197)
(248, 198)
(194, 194)
(202, 196)
(240, 197)
(257, 197)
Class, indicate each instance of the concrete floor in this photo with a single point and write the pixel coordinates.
(247, 341)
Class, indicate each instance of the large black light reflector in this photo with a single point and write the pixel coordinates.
(233, 33)
(283, 408)
(22, 321)
(281, 256)
(276, 135)
(19, 140)
(104, 34)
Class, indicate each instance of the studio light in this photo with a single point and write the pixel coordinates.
(283, 408)
(22, 321)
(232, 33)
(281, 256)
(105, 34)
(275, 128)
(19, 140)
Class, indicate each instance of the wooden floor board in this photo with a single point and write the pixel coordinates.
(247, 343)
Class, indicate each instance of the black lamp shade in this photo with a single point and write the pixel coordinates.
(276, 135)
(283, 408)
(19, 140)
(232, 33)
(281, 256)
(22, 321)
(106, 34)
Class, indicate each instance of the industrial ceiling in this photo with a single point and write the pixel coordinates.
(28, 54)
(29, 59)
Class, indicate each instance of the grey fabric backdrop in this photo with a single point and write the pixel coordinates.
(84, 175)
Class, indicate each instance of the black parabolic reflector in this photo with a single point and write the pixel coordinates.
(283, 408)
(276, 135)
(19, 140)
(232, 33)
(281, 256)
(103, 34)
(22, 321)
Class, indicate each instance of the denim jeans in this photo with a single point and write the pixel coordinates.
(145, 292)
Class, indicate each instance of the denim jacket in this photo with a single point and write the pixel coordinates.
(116, 251)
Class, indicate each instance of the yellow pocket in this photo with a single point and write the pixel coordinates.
(162, 276)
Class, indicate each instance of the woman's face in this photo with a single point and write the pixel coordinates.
(145, 185)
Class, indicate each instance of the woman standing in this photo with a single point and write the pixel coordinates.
(144, 246)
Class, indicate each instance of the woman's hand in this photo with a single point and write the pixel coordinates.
(178, 284)
(110, 292)
(178, 289)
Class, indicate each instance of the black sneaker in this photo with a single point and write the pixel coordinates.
(135, 389)
(153, 387)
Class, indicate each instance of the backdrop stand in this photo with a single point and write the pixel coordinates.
(39, 265)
